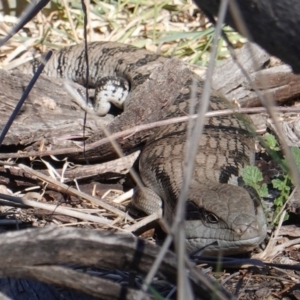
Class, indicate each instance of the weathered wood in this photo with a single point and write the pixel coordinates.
(15, 177)
(275, 82)
(58, 128)
(36, 254)
(228, 76)
(48, 113)
(24, 289)
(50, 120)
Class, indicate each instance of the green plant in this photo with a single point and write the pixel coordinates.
(284, 186)
(252, 176)
(271, 142)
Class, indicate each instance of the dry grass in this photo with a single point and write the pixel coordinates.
(174, 28)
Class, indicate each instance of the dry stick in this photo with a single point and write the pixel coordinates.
(87, 70)
(282, 269)
(190, 158)
(212, 285)
(184, 289)
(58, 209)
(88, 20)
(156, 264)
(11, 204)
(70, 20)
(120, 165)
(139, 128)
(280, 248)
(68, 278)
(30, 12)
(143, 222)
(273, 239)
(269, 107)
(75, 192)
(110, 138)
(282, 209)
(230, 277)
(267, 102)
(271, 245)
(82, 244)
(23, 98)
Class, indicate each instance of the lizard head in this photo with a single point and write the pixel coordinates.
(231, 215)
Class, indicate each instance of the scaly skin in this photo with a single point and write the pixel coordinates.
(219, 207)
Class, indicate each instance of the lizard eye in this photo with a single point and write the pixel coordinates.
(211, 218)
(194, 212)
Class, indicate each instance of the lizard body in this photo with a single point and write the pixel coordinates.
(219, 207)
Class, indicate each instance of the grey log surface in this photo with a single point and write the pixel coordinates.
(35, 254)
(62, 125)
(273, 24)
(45, 115)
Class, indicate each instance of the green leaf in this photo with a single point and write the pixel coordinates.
(278, 184)
(252, 175)
(271, 141)
(263, 191)
(278, 202)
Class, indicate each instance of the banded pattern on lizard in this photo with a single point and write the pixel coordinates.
(219, 207)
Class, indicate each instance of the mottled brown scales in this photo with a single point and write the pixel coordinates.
(219, 207)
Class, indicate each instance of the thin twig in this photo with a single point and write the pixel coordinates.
(74, 192)
(58, 209)
(184, 289)
(139, 128)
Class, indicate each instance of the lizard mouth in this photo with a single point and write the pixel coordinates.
(241, 239)
(224, 247)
